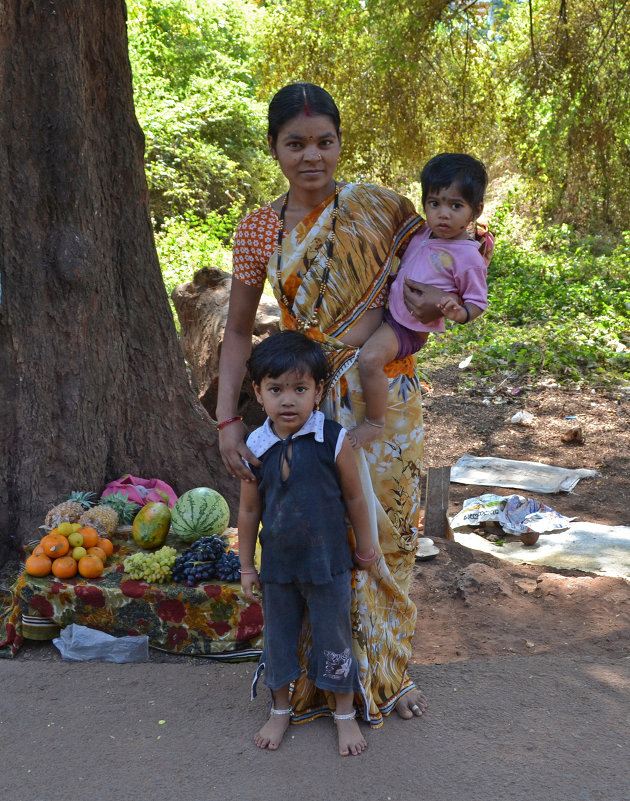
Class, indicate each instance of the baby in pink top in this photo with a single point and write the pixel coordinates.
(443, 255)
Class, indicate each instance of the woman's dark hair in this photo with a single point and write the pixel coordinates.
(296, 99)
(287, 351)
(468, 173)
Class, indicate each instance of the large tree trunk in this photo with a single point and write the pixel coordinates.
(92, 380)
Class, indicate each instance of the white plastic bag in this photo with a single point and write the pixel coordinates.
(80, 643)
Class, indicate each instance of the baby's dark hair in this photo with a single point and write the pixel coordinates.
(445, 169)
(287, 351)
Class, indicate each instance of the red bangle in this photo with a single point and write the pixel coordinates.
(369, 558)
(236, 419)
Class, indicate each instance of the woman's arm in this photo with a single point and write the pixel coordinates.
(356, 506)
(235, 350)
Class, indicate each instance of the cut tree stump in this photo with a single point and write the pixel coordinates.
(436, 503)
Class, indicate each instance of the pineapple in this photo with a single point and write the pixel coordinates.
(124, 508)
(103, 518)
(70, 510)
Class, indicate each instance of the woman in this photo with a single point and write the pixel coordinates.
(328, 249)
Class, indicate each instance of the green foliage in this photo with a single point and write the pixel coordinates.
(401, 75)
(558, 305)
(563, 74)
(195, 101)
(540, 86)
(188, 243)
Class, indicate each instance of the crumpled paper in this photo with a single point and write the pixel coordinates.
(514, 513)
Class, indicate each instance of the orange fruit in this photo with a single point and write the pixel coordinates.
(90, 566)
(106, 545)
(38, 565)
(38, 550)
(90, 536)
(55, 545)
(96, 551)
(64, 567)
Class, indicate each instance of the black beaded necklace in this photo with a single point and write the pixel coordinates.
(313, 320)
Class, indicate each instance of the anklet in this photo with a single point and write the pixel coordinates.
(275, 711)
(372, 423)
(349, 716)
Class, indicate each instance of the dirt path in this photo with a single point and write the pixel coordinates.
(547, 726)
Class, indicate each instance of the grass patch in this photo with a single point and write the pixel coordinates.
(559, 305)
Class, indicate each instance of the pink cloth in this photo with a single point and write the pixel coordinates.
(141, 490)
(452, 265)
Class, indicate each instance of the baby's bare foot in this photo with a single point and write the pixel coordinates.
(363, 434)
(351, 741)
(271, 734)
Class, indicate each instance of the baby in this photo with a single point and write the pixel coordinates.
(443, 255)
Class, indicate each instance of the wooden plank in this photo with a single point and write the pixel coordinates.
(436, 503)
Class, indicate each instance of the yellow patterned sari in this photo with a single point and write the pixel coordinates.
(371, 224)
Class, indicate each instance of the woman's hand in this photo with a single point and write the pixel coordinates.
(233, 450)
(423, 300)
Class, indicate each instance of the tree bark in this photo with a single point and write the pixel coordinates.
(92, 381)
(202, 309)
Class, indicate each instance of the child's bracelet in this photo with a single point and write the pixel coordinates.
(372, 423)
(236, 419)
(248, 572)
(363, 558)
(464, 306)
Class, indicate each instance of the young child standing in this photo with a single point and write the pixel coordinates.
(443, 255)
(307, 484)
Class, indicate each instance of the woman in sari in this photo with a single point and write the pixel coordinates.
(328, 250)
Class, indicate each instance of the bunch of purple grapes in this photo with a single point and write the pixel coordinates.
(206, 559)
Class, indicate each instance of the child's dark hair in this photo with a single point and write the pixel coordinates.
(287, 351)
(296, 99)
(468, 173)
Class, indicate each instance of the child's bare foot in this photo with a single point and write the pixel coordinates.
(351, 741)
(271, 734)
(364, 433)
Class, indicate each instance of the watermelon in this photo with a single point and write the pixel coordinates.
(151, 525)
(200, 512)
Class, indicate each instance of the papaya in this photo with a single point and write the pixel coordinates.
(151, 525)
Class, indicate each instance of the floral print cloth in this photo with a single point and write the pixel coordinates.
(211, 619)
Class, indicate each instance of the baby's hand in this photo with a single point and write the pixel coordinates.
(453, 310)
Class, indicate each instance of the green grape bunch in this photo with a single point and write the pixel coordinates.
(156, 567)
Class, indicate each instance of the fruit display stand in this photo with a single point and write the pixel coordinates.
(211, 619)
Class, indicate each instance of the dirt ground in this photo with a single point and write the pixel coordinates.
(527, 669)
(473, 605)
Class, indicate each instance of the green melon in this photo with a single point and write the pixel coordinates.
(151, 524)
(200, 512)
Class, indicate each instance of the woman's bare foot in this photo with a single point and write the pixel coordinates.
(351, 741)
(363, 434)
(271, 734)
(412, 704)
